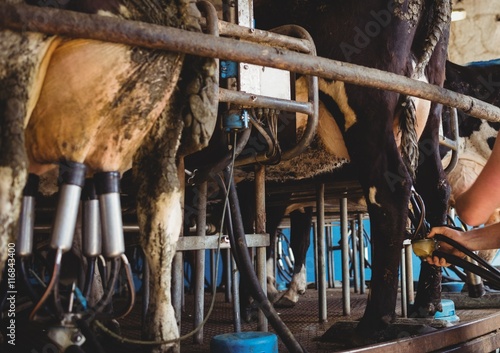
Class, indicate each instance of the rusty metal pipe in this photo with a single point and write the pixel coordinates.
(452, 143)
(260, 36)
(260, 228)
(313, 103)
(199, 266)
(255, 100)
(53, 21)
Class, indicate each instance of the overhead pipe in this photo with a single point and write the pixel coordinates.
(255, 100)
(273, 38)
(73, 24)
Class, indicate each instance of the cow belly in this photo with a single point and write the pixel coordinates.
(326, 153)
(328, 131)
(97, 103)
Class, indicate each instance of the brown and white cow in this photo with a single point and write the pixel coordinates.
(109, 107)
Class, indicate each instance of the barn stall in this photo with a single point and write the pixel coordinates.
(242, 53)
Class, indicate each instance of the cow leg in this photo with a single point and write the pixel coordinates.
(21, 57)
(432, 185)
(274, 215)
(160, 219)
(159, 194)
(386, 185)
(300, 225)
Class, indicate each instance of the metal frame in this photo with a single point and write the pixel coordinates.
(74, 24)
(53, 21)
(474, 336)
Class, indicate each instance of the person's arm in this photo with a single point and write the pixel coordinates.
(476, 239)
(476, 204)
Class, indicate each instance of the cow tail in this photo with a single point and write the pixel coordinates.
(200, 84)
(409, 138)
(441, 16)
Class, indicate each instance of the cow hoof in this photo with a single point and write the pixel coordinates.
(344, 333)
(249, 315)
(425, 311)
(284, 303)
(352, 334)
(273, 296)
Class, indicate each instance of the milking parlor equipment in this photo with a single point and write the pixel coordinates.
(67, 304)
(70, 309)
(476, 267)
(253, 98)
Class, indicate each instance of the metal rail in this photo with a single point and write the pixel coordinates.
(256, 35)
(453, 142)
(255, 100)
(482, 335)
(53, 21)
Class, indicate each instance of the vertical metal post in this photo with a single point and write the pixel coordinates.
(410, 292)
(213, 271)
(228, 293)
(315, 245)
(474, 282)
(329, 257)
(236, 294)
(354, 256)
(320, 216)
(177, 266)
(260, 227)
(403, 276)
(199, 267)
(346, 294)
(361, 254)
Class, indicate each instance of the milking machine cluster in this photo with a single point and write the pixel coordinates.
(66, 306)
(424, 247)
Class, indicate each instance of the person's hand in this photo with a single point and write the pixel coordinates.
(445, 247)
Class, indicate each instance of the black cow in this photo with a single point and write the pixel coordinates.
(476, 140)
(392, 36)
